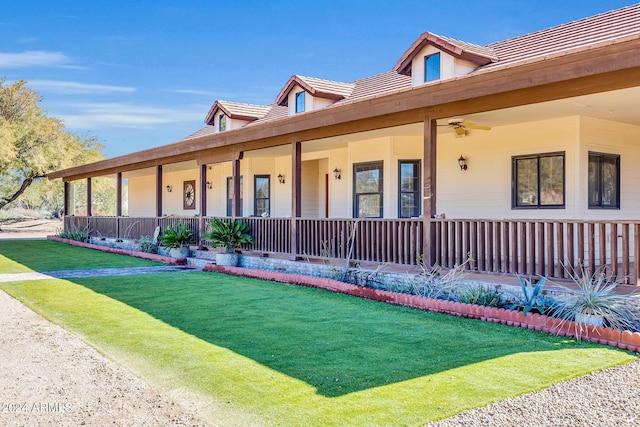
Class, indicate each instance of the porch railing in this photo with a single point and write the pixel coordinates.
(535, 247)
(539, 247)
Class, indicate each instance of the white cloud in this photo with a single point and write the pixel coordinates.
(106, 115)
(75, 88)
(35, 58)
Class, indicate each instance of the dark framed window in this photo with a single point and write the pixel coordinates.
(604, 181)
(538, 181)
(230, 196)
(367, 193)
(222, 122)
(408, 188)
(432, 67)
(261, 201)
(299, 102)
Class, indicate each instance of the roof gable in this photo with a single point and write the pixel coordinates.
(468, 51)
(236, 110)
(316, 87)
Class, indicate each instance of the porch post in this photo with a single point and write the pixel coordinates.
(296, 195)
(89, 197)
(66, 192)
(119, 194)
(159, 190)
(429, 190)
(118, 202)
(235, 202)
(203, 198)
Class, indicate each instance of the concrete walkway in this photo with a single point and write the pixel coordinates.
(74, 274)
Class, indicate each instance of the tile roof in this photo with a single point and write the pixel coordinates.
(236, 110)
(377, 85)
(316, 87)
(603, 28)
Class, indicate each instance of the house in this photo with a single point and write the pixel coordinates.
(522, 154)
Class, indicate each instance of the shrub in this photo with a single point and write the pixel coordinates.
(74, 234)
(145, 244)
(486, 295)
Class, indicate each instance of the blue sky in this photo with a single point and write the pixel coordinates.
(141, 73)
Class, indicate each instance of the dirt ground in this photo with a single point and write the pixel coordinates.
(28, 228)
(50, 377)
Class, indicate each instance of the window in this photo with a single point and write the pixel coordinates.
(261, 198)
(538, 181)
(230, 196)
(222, 122)
(367, 194)
(432, 67)
(604, 181)
(408, 188)
(299, 102)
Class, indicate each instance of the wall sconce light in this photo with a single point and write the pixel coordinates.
(336, 173)
(169, 188)
(209, 185)
(462, 162)
(281, 178)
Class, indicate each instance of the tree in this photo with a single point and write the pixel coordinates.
(33, 144)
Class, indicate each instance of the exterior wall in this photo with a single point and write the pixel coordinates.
(172, 203)
(142, 196)
(484, 190)
(389, 150)
(450, 66)
(217, 197)
(281, 193)
(311, 184)
(310, 102)
(612, 138)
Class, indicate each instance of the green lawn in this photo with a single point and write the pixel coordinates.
(262, 353)
(22, 256)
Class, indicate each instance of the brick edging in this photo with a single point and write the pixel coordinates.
(625, 340)
(137, 254)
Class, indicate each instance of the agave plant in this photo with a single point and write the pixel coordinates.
(228, 233)
(531, 297)
(596, 297)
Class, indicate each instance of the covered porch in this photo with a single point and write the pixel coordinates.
(590, 108)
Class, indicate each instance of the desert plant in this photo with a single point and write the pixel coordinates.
(176, 236)
(433, 283)
(596, 296)
(74, 234)
(487, 295)
(145, 244)
(531, 297)
(228, 233)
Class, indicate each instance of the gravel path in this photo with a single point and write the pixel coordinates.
(606, 398)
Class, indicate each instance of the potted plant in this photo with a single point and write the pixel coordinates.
(595, 301)
(177, 239)
(228, 233)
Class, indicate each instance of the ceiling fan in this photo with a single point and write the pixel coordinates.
(460, 126)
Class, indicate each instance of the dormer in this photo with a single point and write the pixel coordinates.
(302, 94)
(225, 115)
(433, 58)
